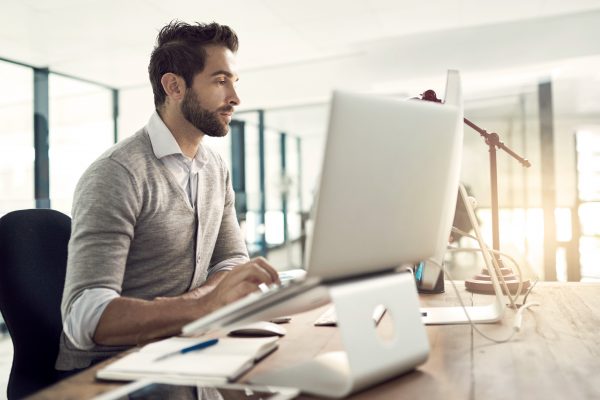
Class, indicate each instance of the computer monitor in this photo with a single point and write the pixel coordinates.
(390, 175)
(386, 196)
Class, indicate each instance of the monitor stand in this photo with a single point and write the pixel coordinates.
(477, 314)
(368, 358)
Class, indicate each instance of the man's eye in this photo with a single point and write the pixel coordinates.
(221, 82)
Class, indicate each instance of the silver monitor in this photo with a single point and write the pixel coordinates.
(388, 185)
(386, 197)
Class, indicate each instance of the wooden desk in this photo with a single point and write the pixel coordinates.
(555, 356)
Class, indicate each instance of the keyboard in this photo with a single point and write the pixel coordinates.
(328, 317)
(292, 275)
(247, 308)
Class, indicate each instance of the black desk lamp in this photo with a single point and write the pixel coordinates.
(481, 283)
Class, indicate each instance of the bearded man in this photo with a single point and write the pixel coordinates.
(155, 241)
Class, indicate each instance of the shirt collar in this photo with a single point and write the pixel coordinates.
(164, 144)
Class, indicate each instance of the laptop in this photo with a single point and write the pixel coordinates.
(386, 197)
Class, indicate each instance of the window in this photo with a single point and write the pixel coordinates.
(16, 135)
(81, 129)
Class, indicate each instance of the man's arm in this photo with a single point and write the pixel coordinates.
(107, 204)
(211, 282)
(128, 321)
(230, 247)
(104, 219)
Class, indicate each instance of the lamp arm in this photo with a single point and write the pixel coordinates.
(493, 139)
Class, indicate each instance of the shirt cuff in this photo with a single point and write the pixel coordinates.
(84, 315)
(227, 265)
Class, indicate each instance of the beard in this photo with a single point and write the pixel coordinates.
(208, 122)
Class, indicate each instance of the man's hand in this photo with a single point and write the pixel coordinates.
(134, 321)
(243, 280)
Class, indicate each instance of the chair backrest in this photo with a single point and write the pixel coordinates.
(33, 262)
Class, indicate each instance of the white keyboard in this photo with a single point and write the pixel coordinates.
(328, 318)
(292, 275)
(247, 307)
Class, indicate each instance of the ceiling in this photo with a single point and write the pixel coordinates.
(295, 52)
(110, 40)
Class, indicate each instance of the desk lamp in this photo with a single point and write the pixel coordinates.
(481, 283)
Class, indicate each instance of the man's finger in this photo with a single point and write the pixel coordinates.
(264, 264)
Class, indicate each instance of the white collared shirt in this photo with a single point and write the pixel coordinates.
(184, 169)
(83, 317)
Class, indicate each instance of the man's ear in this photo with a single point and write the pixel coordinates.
(173, 85)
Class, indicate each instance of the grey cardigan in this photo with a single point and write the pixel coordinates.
(134, 232)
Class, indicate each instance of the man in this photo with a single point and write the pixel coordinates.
(155, 242)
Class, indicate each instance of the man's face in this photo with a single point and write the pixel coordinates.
(209, 104)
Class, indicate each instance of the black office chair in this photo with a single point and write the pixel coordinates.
(33, 262)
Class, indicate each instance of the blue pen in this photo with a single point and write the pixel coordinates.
(197, 346)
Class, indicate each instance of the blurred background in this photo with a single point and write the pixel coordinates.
(73, 79)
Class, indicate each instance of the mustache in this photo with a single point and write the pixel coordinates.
(225, 109)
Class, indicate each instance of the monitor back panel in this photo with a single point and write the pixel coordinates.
(389, 177)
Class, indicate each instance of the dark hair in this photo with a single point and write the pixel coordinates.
(180, 50)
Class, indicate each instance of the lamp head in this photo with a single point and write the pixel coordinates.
(429, 95)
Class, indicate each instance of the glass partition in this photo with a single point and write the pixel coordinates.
(283, 222)
(81, 128)
(279, 197)
(588, 188)
(16, 136)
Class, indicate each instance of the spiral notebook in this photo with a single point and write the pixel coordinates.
(223, 362)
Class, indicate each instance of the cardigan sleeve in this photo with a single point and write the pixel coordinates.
(105, 208)
(230, 248)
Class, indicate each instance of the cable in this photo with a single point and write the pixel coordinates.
(516, 323)
(530, 289)
(515, 264)
(512, 260)
(519, 315)
(491, 261)
(501, 277)
(495, 273)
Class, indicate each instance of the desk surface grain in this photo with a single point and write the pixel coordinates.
(556, 355)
